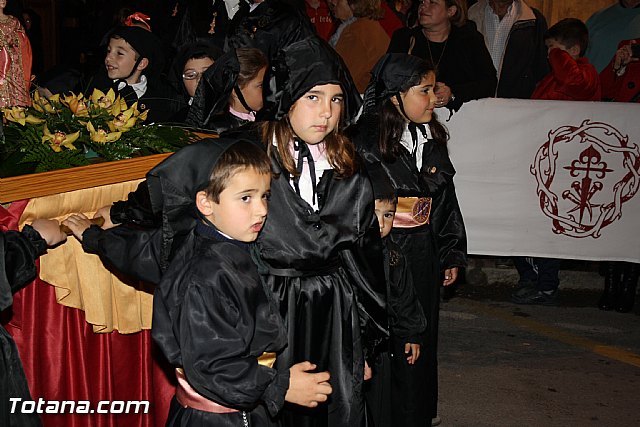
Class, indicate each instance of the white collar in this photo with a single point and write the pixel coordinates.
(139, 88)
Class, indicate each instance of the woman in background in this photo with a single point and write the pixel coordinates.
(449, 41)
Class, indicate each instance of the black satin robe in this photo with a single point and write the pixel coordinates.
(212, 316)
(18, 252)
(430, 248)
(389, 393)
(324, 269)
(313, 265)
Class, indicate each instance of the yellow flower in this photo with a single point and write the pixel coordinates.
(136, 113)
(119, 105)
(19, 115)
(42, 104)
(99, 98)
(77, 105)
(123, 121)
(102, 136)
(58, 139)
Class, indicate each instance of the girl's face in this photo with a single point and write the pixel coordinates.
(317, 113)
(192, 73)
(252, 93)
(419, 101)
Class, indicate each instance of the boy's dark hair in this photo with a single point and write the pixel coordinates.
(393, 200)
(240, 156)
(144, 43)
(569, 32)
(251, 61)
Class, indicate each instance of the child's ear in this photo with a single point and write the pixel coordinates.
(144, 62)
(394, 100)
(204, 203)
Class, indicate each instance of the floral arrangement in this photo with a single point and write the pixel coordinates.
(66, 131)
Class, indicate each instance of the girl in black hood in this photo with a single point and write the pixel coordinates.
(230, 93)
(399, 132)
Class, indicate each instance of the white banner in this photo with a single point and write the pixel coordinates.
(548, 178)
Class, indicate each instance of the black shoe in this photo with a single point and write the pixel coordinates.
(524, 290)
(535, 298)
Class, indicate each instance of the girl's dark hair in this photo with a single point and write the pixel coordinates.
(251, 62)
(392, 121)
(239, 157)
(339, 150)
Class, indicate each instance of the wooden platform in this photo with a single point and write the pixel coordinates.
(64, 180)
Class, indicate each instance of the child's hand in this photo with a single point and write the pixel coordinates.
(105, 212)
(622, 58)
(50, 231)
(306, 388)
(412, 351)
(450, 276)
(368, 373)
(77, 223)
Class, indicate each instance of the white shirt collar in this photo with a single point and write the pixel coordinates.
(407, 142)
(139, 88)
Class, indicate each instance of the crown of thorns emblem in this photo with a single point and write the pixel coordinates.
(605, 175)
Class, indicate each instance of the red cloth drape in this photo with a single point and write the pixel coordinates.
(65, 360)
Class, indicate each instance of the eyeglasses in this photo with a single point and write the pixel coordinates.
(192, 74)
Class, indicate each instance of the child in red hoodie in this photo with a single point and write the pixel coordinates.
(572, 77)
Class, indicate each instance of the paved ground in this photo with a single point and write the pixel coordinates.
(507, 365)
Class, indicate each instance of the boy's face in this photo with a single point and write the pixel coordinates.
(385, 212)
(554, 43)
(120, 60)
(242, 208)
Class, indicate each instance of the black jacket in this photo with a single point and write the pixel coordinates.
(525, 57)
(463, 61)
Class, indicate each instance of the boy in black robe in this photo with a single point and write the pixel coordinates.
(212, 318)
(388, 392)
(133, 67)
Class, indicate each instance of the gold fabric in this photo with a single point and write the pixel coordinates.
(80, 279)
(267, 359)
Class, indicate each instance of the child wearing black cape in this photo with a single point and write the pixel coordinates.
(212, 318)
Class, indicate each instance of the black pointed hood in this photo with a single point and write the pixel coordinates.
(301, 66)
(390, 76)
(174, 183)
(214, 90)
